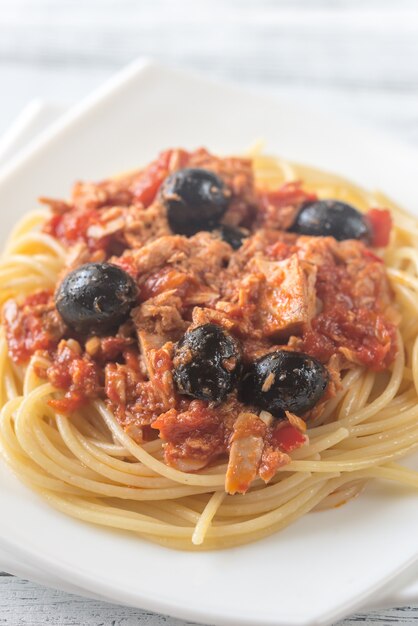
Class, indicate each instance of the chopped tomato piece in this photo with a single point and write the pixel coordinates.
(73, 227)
(148, 185)
(288, 438)
(380, 221)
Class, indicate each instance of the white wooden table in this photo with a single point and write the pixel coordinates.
(358, 58)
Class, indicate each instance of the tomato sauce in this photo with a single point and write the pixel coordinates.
(342, 323)
(26, 326)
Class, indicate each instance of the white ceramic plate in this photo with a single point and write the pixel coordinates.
(327, 564)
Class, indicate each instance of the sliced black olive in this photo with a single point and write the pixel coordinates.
(207, 363)
(331, 218)
(233, 236)
(96, 297)
(284, 381)
(195, 199)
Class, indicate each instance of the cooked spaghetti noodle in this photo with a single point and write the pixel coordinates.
(89, 466)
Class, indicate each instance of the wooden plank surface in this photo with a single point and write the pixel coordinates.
(23, 603)
(358, 58)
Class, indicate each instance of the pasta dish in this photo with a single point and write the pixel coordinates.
(203, 350)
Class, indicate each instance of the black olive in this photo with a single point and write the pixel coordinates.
(331, 218)
(96, 297)
(207, 363)
(233, 236)
(195, 199)
(284, 381)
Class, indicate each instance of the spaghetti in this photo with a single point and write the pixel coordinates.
(91, 464)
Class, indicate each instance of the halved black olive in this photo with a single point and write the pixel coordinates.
(284, 381)
(207, 363)
(195, 199)
(331, 218)
(233, 236)
(96, 297)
